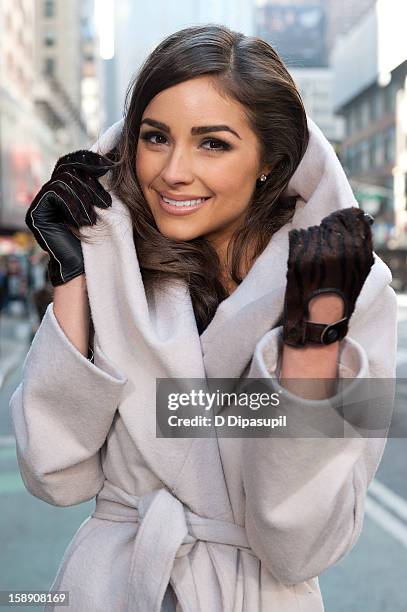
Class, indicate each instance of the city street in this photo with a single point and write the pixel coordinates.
(260, 113)
(34, 534)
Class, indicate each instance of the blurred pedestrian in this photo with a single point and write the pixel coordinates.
(16, 286)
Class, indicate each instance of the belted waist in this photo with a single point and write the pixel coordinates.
(167, 530)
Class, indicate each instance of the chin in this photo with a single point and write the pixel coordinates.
(179, 234)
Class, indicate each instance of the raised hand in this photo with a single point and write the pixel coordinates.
(68, 199)
(333, 257)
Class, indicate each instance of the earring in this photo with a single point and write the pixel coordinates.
(263, 177)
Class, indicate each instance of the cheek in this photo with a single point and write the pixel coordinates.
(235, 191)
(230, 177)
(139, 165)
(145, 166)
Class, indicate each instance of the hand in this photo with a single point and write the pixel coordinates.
(68, 198)
(333, 257)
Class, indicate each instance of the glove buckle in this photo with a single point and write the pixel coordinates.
(325, 333)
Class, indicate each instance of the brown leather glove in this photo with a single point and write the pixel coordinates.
(335, 256)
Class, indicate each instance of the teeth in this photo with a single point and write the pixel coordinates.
(184, 202)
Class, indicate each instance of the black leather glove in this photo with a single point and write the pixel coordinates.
(335, 256)
(68, 198)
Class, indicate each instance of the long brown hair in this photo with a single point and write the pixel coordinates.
(248, 70)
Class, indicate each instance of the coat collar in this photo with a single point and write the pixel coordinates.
(158, 338)
(256, 305)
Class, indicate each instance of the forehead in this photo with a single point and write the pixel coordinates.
(196, 102)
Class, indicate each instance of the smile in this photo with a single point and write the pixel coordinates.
(180, 207)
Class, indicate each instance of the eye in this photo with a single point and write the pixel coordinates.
(147, 136)
(220, 145)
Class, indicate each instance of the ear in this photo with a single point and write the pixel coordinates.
(265, 170)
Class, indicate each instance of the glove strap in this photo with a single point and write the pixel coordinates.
(325, 333)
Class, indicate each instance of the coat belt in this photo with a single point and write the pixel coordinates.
(167, 530)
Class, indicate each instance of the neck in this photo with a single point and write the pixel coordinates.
(221, 246)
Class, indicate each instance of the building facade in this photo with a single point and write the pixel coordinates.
(370, 66)
(316, 88)
(338, 17)
(91, 78)
(299, 31)
(49, 97)
(22, 140)
(139, 27)
(59, 58)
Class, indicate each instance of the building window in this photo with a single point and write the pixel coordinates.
(365, 113)
(49, 39)
(390, 94)
(364, 152)
(349, 157)
(353, 119)
(372, 152)
(390, 144)
(348, 124)
(379, 103)
(379, 149)
(355, 158)
(358, 117)
(49, 8)
(49, 66)
(373, 106)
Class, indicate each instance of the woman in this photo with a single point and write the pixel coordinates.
(197, 266)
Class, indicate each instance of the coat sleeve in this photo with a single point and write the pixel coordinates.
(305, 496)
(61, 412)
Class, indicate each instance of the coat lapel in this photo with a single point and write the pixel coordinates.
(146, 340)
(255, 307)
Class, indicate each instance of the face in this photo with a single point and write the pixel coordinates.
(197, 162)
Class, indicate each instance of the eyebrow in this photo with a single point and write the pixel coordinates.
(202, 129)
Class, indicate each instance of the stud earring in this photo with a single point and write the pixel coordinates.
(263, 177)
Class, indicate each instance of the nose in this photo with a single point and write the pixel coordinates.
(177, 168)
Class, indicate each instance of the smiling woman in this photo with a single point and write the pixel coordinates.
(181, 165)
(210, 268)
(216, 127)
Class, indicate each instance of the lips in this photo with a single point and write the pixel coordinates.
(185, 197)
(179, 210)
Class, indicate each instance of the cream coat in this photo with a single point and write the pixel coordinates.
(234, 524)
